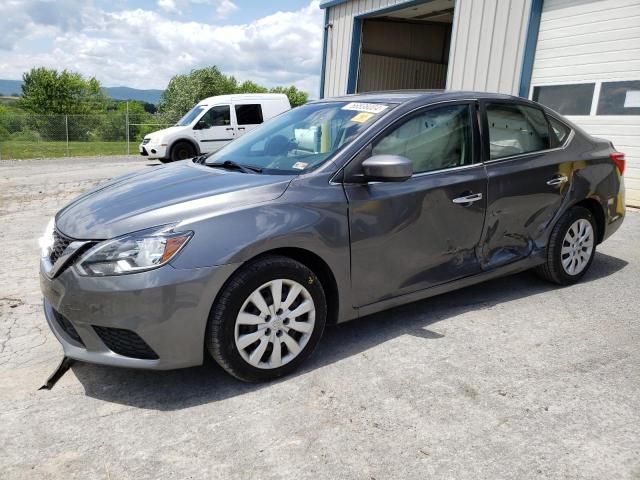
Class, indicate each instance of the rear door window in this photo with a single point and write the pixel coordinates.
(516, 129)
(249, 114)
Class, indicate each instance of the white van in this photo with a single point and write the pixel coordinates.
(211, 124)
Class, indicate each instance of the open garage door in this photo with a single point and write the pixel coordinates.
(406, 48)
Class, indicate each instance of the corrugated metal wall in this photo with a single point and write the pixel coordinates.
(487, 43)
(399, 73)
(582, 41)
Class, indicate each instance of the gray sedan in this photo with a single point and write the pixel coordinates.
(334, 210)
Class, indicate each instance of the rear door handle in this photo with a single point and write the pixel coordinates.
(468, 199)
(229, 128)
(557, 180)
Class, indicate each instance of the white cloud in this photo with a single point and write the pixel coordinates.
(168, 6)
(222, 8)
(144, 49)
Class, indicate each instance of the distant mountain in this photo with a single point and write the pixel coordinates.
(10, 87)
(127, 93)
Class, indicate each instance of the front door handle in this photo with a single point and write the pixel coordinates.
(557, 180)
(468, 199)
(229, 128)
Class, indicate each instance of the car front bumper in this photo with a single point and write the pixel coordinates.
(154, 320)
(153, 150)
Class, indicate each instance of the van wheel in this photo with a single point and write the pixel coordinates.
(182, 151)
(267, 320)
(571, 248)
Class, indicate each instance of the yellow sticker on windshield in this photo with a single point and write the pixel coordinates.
(362, 117)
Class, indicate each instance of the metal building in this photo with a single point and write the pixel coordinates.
(579, 57)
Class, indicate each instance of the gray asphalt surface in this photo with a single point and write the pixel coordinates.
(514, 378)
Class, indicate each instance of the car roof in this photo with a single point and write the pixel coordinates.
(241, 96)
(405, 96)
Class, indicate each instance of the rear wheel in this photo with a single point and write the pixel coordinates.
(267, 319)
(571, 248)
(182, 151)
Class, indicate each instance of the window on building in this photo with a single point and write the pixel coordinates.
(250, 114)
(566, 99)
(434, 139)
(619, 98)
(516, 129)
(560, 130)
(217, 116)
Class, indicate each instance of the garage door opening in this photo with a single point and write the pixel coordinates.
(406, 48)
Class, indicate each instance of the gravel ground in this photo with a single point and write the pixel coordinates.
(513, 378)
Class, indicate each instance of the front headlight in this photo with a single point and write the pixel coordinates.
(46, 240)
(132, 253)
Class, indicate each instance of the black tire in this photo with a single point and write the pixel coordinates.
(220, 339)
(182, 151)
(552, 270)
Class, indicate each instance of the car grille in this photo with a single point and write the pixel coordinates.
(67, 327)
(125, 342)
(60, 243)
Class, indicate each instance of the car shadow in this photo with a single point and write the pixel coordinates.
(179, 389)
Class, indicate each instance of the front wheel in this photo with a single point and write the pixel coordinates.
(267, 320)
(182, 151)
(571, 247)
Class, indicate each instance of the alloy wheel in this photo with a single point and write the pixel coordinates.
(577, 247)
(274, 323)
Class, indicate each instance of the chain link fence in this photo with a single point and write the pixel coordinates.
(46, 136)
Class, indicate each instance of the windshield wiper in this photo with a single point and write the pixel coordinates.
(231, 165)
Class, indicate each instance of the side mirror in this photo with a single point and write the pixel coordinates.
(387, 168)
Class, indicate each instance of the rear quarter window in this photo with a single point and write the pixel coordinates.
(559, 130)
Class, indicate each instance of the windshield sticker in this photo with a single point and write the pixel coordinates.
(300, 165)
(362, 117)
(365, 107)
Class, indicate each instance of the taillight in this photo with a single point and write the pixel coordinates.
(618, 159)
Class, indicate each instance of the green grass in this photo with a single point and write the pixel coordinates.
(17, 149)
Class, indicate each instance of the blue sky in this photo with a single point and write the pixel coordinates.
(143, 43)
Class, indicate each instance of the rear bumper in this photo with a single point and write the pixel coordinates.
(165, 309)
(615, 208)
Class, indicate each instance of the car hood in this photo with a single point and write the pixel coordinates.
(166, 194)
(165, 132)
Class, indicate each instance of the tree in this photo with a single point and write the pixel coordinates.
(184, 91)
(296, 97)
(47, 91)
(251, 87)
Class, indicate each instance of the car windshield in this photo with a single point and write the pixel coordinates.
(190, 116)
(300, 139)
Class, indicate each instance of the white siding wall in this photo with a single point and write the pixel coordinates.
(591, 41)
(486, 52)
(487, 45)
